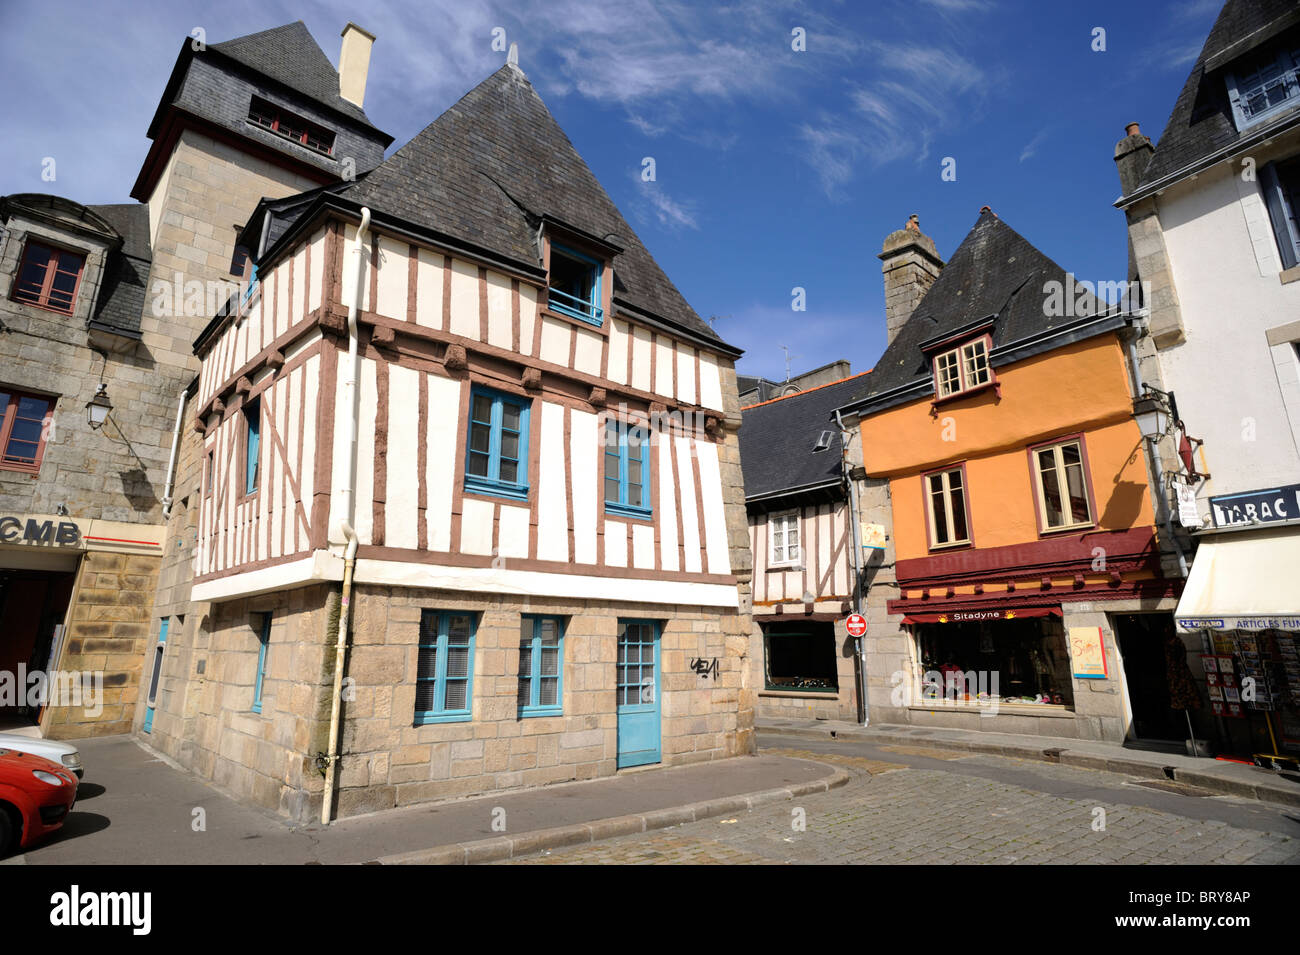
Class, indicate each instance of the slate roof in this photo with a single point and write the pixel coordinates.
(290, 55)
(488, 169)
(994, 273)
(777, 438)
(126, 275)
(1201, 123)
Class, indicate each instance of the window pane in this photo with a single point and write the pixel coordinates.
(510, 471)
(957, 502)
(478, 464)
(455, 698)
(1051, 488)
(550, 661)
(480, 438)
(633, 494)
(510, 445)
(482, 409)
(510, 416)
(427, 666)
(424, 697)
(977, 369)
(458, 629)
(1072, 457)
(549, 632)
(612, 491)
(548, 695)
(525, 695)
(939, 510)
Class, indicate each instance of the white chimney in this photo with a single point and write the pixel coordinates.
(354, 63)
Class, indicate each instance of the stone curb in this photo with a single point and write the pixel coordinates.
(510, 847)
(1261, 791)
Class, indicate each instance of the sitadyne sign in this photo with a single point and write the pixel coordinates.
(1267, 506)
(14, 531)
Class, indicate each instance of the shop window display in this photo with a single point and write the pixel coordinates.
(1012, 661)
(801, 661)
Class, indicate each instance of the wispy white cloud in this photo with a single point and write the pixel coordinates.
(1031, 147)
(652, 202)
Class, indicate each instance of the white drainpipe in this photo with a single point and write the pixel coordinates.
(171, 460)
(349, 507)
(855, 528)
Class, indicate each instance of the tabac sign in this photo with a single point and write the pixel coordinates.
(15, 530)
(1267, 506)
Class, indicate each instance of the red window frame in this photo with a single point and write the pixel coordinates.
(57, 257)
(1031, 454)
(958, 347)
(7, 418)
(272, 118)
(969, 542)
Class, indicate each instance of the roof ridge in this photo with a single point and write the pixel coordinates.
(806, 391)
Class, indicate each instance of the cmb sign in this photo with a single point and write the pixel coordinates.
(1267, 506)
(14, 530)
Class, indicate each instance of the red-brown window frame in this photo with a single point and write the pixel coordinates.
(969, 542)
(50, 271)
(277, 116)
(7, 418)
(992, 383)
(1030, 453)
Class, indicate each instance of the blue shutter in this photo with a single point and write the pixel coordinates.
(1280, 213)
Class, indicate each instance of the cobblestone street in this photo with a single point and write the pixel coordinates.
(937, 808)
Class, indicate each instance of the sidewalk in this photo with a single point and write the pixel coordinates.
(1221, 777)
(136, 807)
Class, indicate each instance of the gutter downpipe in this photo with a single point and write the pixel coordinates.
(1138, 327)
(856, 530)
(171, 459)
(345, 525)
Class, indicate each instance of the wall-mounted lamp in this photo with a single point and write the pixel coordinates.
(98, 407)
(1154, 411)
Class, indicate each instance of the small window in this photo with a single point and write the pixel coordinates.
(238, 261)
(445, 669)
(252, 444)
(209, 472)
(263, 643)
(1062, 486)
(283, 123)
(1280, 183)
(49, 277)
(627, 469)
(1265, 83)
(155, 676)
(945, 493)
(783, 531)
(497, 456)
(823, 441)
(541, 665)
(962, 369)
(24, 427)
(802, 660)
(575, 285)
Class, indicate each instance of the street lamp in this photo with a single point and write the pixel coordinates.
(1151, 412)
(98, 407)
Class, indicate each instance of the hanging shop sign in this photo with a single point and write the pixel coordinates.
(1088, 652)
(1189, 514)
(15, 530)
(976, 616)
(1266, 506)
(873, 536)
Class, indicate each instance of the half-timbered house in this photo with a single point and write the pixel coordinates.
(461, 423)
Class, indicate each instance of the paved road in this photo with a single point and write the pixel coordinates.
(909, 805)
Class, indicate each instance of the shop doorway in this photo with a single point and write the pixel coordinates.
(33, 605)
(1141, 638)
(638, 693)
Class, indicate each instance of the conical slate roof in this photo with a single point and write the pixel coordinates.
(490, 167)
(995, 273)
(290, 55)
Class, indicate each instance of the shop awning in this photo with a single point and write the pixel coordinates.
(974, 616)
(1243, 580)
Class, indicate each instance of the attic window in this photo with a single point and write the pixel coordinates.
(49, 277)
(1265, 83)
(575, 285)
(823, 442)
(960, 369)
(273, 119)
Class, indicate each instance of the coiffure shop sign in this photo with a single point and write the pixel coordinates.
(31, 530)
(1267, 506)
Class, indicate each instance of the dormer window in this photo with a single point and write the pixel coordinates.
(960, 369)
(283, 123)
(1265, 83)
(49, 277)
(575, 284)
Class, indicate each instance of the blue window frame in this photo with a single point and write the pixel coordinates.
(496, 459)
(1265, 83)
(575, 285)
(445, 670)
(155, 676)
(627, 469)
(252, 444)
(251, 287)
(263, 641)
(541, 666)
(1280, 182)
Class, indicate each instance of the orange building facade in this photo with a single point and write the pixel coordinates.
(1029, 586)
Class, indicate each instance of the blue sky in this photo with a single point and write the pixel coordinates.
(774, 168)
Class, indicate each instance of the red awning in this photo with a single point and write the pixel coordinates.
(974, 616)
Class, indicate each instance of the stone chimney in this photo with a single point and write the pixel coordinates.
(910, 264)
(354, 63)
(1132, 154)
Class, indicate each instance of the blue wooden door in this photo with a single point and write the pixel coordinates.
(155, 675)
(638, 693)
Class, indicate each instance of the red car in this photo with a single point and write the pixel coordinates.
(36, 796)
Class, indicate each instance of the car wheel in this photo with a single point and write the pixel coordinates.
(8, 831)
